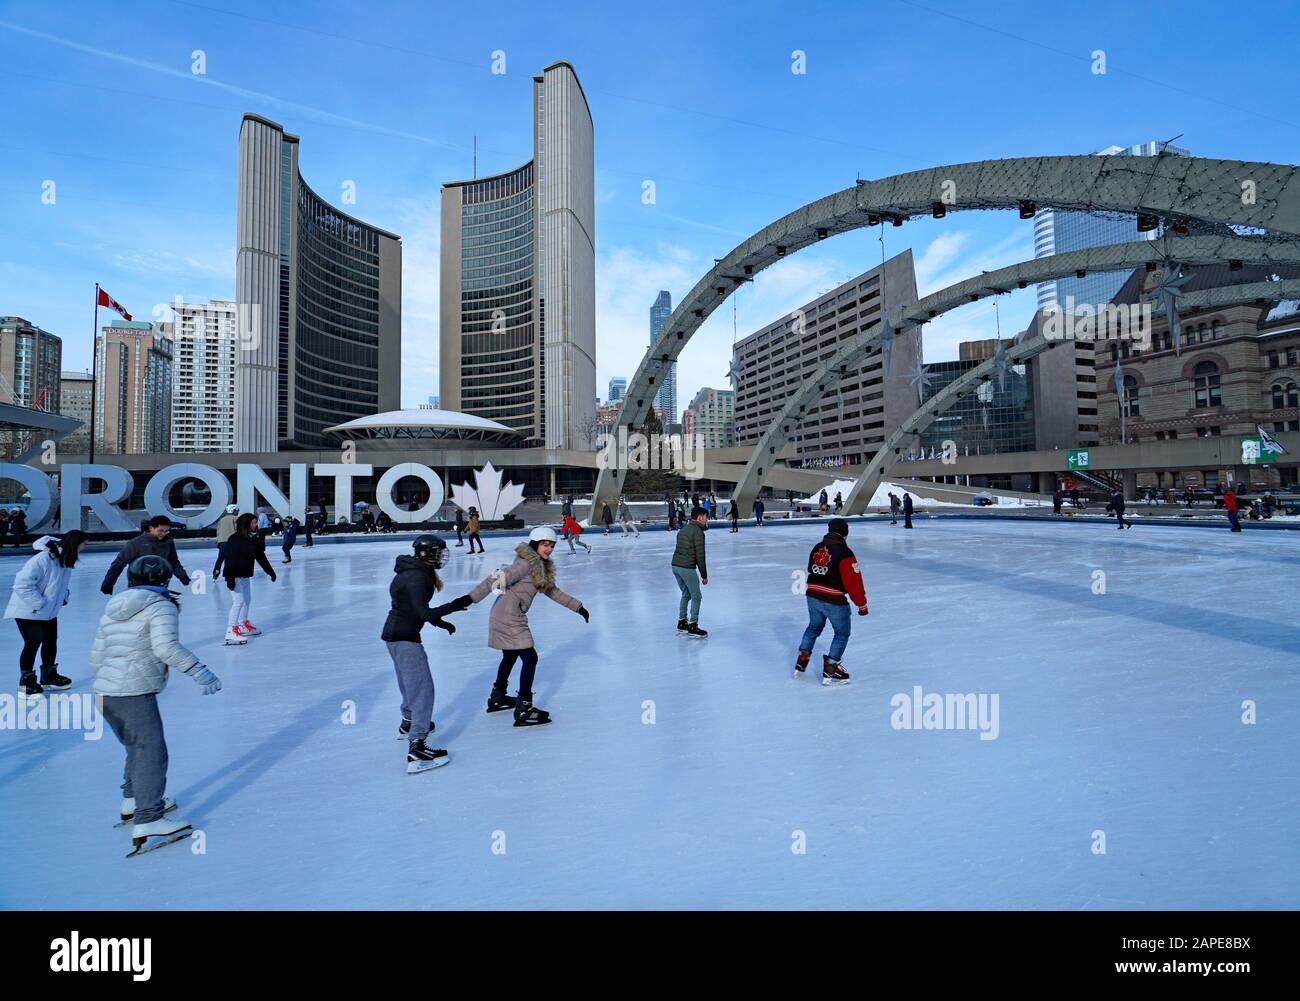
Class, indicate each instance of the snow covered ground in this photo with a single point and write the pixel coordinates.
(689, 773)
(880, 499)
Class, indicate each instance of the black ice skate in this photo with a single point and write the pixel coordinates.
(833, 672)
(28, 686)
(420, 758)
(682, 625)
(404, 729)
(51, 678)
(527, 714)
(498, 700)
(694, 630)
(801, 664)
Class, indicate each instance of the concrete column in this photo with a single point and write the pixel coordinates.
(552, 482)
(1046, 482)
(1130, 484)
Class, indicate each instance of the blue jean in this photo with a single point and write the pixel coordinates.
(688, 581)
(135, 721)
(841, 620)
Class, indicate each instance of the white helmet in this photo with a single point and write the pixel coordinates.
(543, 534)
(232, 509)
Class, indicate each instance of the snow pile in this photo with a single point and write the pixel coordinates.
(881, 496)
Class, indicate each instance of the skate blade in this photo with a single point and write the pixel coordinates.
(236, 642)
(416, 767)
(143, 846)
(536, 722)
(130, 821)
(55, 688)
(499, 709)
(830, 682)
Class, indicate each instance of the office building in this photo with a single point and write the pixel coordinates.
(666, 398)
(74, 402)
(848, 425)
(319, 300)
(30, 364)
(1058, 232)
(133, 393)
(617, 390)
(518, 306)
(712, 419)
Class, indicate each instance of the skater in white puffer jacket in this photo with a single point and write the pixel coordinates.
(137, 643)
(40, 592)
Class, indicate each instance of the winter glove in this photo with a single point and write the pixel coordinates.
(586, 615)
(451, 630)
(272, 576)
(230, 583)
(205, 679)
(863, 610)
(106, 589)
(462, 603)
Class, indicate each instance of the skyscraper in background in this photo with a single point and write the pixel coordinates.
(617, 389)
(319, 297)
(133, 394)
(1057, 232)
(517, 317)
(666, 398)
(203, 382)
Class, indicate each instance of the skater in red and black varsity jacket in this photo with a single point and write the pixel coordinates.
(833, 581)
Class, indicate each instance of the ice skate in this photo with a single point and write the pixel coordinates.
(527, 714)
(128, 809)
(498, 700)
(420, 758)
(158, 834)
(833, 672)
(801, 664)
(682, 625)
(235, 636)
(248, 629)
(29, 686)
(51, 678)
(404, 729)
(693, 629)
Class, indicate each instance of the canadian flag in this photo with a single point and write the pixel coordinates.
(107, 300)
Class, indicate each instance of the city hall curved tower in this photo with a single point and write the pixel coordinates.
(319, 296)
(518, 264)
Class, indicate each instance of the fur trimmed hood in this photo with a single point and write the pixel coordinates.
(541, 571)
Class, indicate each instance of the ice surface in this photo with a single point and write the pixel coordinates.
(1119, 712)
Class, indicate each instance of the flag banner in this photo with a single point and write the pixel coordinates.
(107, 300)
(1268, 442)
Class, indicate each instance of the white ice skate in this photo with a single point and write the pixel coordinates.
(128, 809)
(248, 629)
(235, 636)
(159, 834)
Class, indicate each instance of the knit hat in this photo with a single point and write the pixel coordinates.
(838, 526)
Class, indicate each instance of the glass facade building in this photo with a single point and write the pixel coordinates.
(995, 417)
(666, 398)
(1057, 232)
(517, 312)
(318, 298)
(617, 390)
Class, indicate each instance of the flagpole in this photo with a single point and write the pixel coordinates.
(94, 371)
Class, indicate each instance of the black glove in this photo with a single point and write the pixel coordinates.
(586, 615)
(462, 603)
(230, 583)
(106, 589)
(272, 576)
(451, 630)
(863, 610)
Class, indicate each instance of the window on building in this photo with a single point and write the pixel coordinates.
(1218, 330)
(1206, 385)
(1284, 395)
(1132, 406)
(1292, 356)
(1273, 360)
(1172, 435)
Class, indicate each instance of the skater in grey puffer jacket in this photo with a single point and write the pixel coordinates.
(138, 642)
(531, 574)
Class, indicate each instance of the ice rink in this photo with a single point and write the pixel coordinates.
(685, 772)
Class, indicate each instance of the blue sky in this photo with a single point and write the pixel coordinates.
(699, 98)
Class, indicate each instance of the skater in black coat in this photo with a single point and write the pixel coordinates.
(155, 540)
(907, 510)
(415, 582)
(1117, 505)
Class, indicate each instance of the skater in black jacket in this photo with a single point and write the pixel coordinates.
(907, 510)
(415, 582)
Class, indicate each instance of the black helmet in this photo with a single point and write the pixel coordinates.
(153, 571)
(430, 549)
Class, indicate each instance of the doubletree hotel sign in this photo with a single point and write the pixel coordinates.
(493, 499)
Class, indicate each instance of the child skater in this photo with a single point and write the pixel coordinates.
(415, 582)
(138, 641)
(531, 574)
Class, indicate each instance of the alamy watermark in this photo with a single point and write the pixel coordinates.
(951, 711)
(57, 711)
(624, 450)
(1109, 322)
